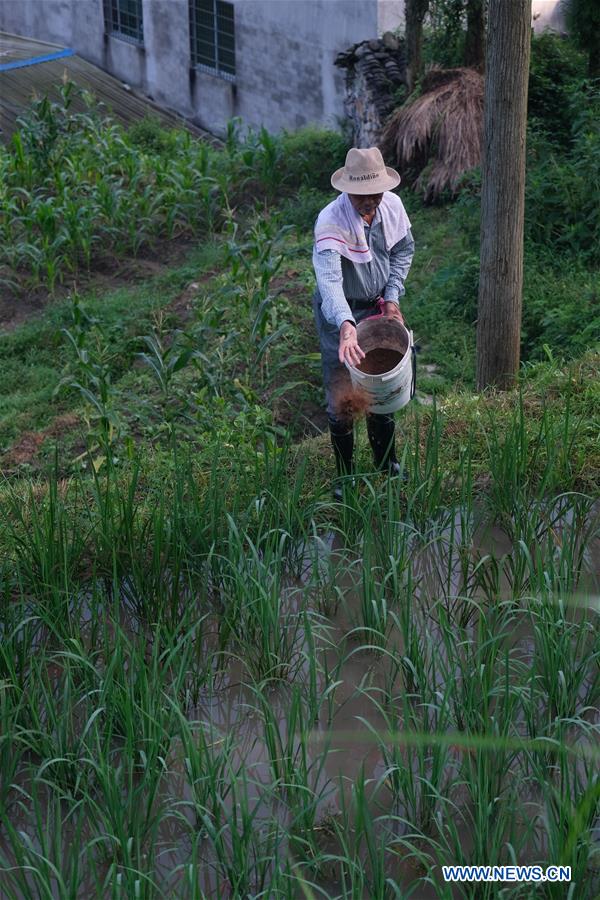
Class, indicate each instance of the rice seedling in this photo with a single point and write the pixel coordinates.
(46, 544)
(269, 628)
(363, 839)
(375, 617)
(12, 749)
(298, 768)
(126, 810)
(55, 721)
(209, 760)
(320, 568)
(556, 542)
(47, 858)
(567, 816)
(245, 841)
(566, 657)
(103, 716)
(527, 467)
(425, 491)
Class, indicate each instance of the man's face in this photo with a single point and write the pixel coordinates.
(365, 204)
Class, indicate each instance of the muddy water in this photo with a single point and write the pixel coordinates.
(341, 745)
(380, 360)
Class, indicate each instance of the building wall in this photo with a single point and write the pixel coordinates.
(548, 15)
(285, 50)
(286, 54)
(390, 16)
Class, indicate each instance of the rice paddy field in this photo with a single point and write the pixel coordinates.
(282, 697)
(217, 682)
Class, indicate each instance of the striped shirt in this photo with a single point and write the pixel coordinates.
(340, 281)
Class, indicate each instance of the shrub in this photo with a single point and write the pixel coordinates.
(583, 21)
(456, 286)
(310, 156)
(561, 307)
(562, 199)
(265, 166)
(556, 69)
(563, 189)
(444, 34)
(302, 209)
(149, 135)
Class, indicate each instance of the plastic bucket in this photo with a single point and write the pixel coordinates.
(391, 390)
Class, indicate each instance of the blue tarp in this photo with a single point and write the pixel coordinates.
(21, 63)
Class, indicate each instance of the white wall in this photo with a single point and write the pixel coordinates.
(390, 16)
(548, 14)
(286, 50)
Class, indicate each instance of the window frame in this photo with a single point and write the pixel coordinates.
(112, 27)
(217, 38)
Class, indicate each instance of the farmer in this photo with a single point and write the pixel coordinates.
(363, 251)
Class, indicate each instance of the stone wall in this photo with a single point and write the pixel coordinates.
(375, 71)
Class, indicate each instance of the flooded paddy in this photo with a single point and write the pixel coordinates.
(336, 713)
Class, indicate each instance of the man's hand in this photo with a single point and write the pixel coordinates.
(349, 351)
(393, 311)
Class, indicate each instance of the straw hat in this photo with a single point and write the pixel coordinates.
(365, 173)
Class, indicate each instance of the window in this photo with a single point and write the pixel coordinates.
(212, 37)
(124, 19)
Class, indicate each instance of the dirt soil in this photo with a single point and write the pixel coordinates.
(27, 447)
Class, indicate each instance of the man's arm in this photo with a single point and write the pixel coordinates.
(334, 306)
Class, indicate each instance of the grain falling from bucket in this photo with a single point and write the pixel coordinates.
(350, 402)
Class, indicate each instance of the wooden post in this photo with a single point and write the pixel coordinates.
(503, 192)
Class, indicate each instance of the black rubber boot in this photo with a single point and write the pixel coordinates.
(382, 431)
(342, 441)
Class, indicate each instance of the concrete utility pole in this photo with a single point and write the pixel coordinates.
(503, 192)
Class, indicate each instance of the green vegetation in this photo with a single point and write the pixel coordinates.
(75, 187)
(215, 681)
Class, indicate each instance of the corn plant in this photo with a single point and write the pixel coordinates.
(166, 361)
(75, 185)
(90, 375)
